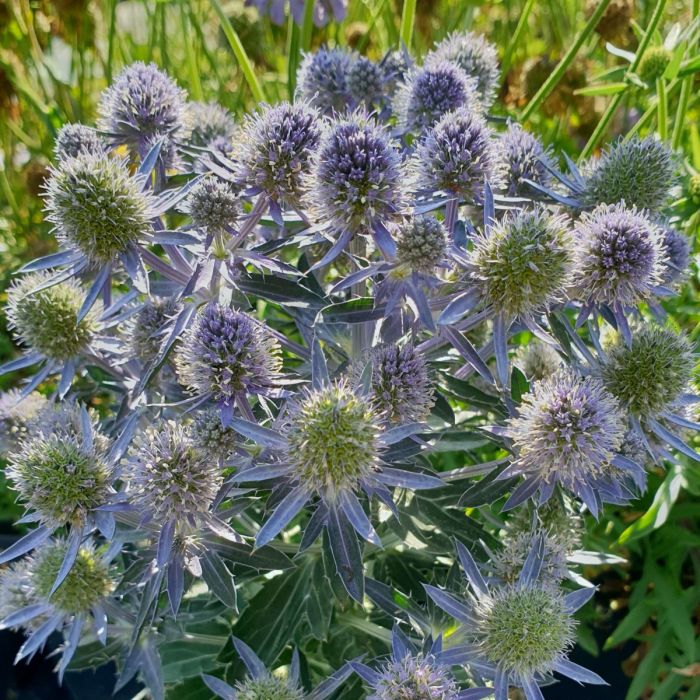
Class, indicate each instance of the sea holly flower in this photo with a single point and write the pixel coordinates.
(537, 360)
(457, 156)
(213, 205)
(525, 160)
(142, 106)
(518, 634)
(211, 124)
(517, 268)
(429, 92)
(569, 432)
(48, 319)
(322, 80)
(323, 10)
(332, 446)
(476, 56)
(145, 331)
(675, 248)
(365, 81)
(73, 140)
(260, 684)
(80, 599)
(17, 414)
(650, 376)
(211, 437)
(412, 673)
(275, 150)
(173, 485)
(225, 356)
(639, 172)
(400, 385)
(619, 260)
(355, 184)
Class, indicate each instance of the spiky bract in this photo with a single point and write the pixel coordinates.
(47, 320)
(98, 206)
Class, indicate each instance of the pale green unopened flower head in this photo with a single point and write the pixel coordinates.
(537, 360)
(524, 631)
(507, 562)
(59, 477)
(694, 188)
(523, 262)
(86, 584)
(97, 205)
(650, 374)
(421, 244)
(654, 63)
(211, 436)
(47, 321)
(17, 415)
(267, 688)
(332, 436)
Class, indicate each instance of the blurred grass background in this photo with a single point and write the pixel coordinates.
(57, 55)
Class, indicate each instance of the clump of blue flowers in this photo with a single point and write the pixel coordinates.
(284, 363)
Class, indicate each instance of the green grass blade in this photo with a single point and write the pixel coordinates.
(408, 16)
(513, 43)
(193, 69)
(662, 118)
(239, 52)
(565, 62)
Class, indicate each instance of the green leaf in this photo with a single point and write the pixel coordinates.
(519, 385)
(604, 89)
(353, 311)
(675, 611)
(630, 624)
(280, 290)
(190, 656)
(660, 508)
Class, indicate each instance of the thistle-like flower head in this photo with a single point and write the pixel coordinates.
(619, 256)
(87, 583)
(476, 56)
(567, 431)
(457, 156)
(17, 415)
(525, 159)
(145, 331)
(654, 63)
(74, 139)
(226, 353)
(332, 434)
(648, 375)
(416, 677)
(61, 476)
(524, 630)
(17, 591)
(46, 321)
(537, 360)
(421, 244)
(267, 688)
(213, 204)
(518, 633)
(142, 105)
(97, 206)
(675, 248)
(355, 182)
(276, 147)
(170, 479)
(430, 92)
(322, 80)
(210, 122)
(365, 81)
(522, 262)
(211, 437)
(400, 389)
(639, 172)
